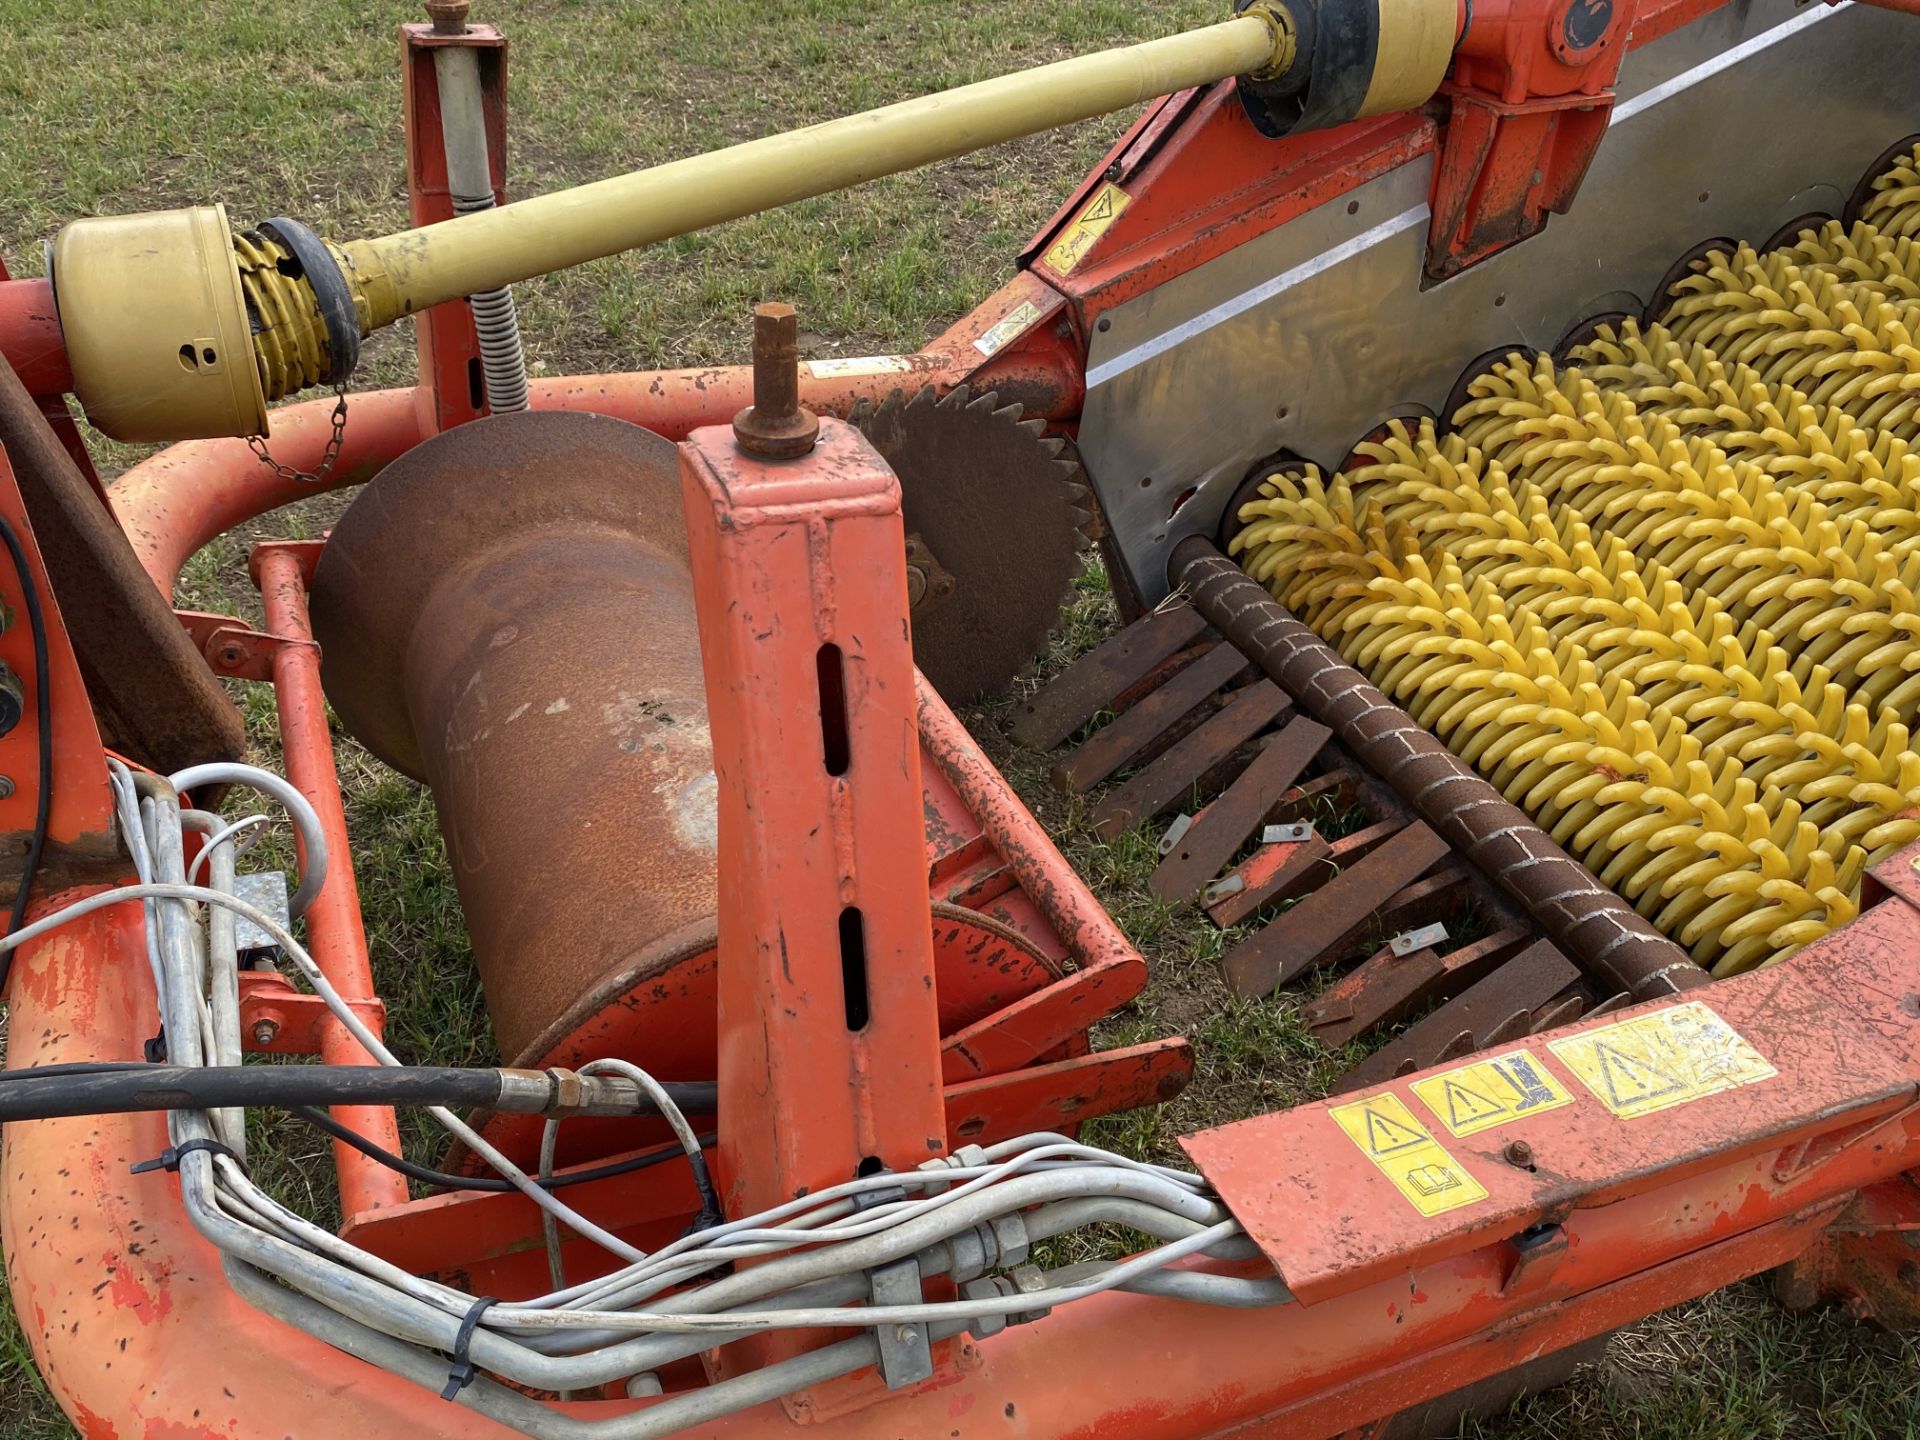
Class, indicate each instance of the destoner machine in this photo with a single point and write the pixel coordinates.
(1552, 361)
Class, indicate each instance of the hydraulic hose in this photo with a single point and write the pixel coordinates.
(27, 1096)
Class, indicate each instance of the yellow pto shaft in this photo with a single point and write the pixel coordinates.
(160, 311)
(414, 269)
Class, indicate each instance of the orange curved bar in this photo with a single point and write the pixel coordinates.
(138, 1332)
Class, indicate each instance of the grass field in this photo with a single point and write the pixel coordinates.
(109, 107)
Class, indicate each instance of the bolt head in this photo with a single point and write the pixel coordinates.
(6, 787)
(449, 17)
(265, 1032)
(1519, 1152)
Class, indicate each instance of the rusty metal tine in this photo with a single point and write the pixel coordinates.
(1320, 925)
(1557, 1013)
(1339, 786)
(1217, 835)
(1515, 1027)
(1272, 873)
(1531, 978)
(1271, 876)
(1570, 905)
(1440, 896)
(1389, 987)
(1175, 772)
(1461, 1044)
(1098, 679)
(1131, 735)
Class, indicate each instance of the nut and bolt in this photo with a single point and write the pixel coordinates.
(916, 586)
(449, 17)
(6, 787)
(776, 426)
(265, 1032)
(1518, 1152)
(906, 1334)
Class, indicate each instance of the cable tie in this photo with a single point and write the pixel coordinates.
(169, 1159)
(461, 1373)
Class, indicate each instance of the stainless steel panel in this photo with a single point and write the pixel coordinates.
(1307, 337)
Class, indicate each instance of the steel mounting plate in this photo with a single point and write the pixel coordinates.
(1307, 337)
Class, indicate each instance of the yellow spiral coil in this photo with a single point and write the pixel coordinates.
(289, 334)
(1665, 596)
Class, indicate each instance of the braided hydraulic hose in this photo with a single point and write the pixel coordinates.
(1663, 595)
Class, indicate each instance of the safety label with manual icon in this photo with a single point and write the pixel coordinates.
(1417, 1164)
(1491, 1092)
(1682, 1053)
(1087, 227)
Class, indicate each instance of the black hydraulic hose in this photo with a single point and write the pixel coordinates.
(27, 1096)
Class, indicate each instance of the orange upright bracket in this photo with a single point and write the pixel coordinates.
(829, 1035)
(450, 391)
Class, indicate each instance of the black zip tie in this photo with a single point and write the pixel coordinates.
(461, 1373)
(169, 1159)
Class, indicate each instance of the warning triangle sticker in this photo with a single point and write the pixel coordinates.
(1386, 1134)
(1102, 208)
(1629, 1079)
(1467, 1107)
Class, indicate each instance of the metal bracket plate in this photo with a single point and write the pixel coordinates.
(1307, 337)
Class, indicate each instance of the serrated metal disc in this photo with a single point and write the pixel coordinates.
(1004, 511)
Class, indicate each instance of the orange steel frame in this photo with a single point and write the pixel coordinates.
(1611, 1219)
(1607, 1221)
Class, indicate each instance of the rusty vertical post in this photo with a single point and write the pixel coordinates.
(339, 941)
(829, 1036)
(446, 341)
(1596, 928)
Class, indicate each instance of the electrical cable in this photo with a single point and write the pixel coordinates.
(43, 723)
(961, 1217)
(443, 1180)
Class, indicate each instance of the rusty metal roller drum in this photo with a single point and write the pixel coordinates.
(506, 614)
(1596, 928)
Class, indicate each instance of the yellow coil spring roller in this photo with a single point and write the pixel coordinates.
(1664, 596)
(1737, 873)
(1894, 205)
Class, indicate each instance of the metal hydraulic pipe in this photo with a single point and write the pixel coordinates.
(1599, 931)
(409, 271)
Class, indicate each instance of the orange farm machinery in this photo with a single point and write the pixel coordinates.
(1483, 432)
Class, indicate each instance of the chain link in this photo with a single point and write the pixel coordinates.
(328, 457)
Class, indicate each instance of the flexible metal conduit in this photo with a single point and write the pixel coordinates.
(1598, 930)
(463, 133)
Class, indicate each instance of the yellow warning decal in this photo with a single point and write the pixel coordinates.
(1491, 1092)
(1009, 326)
(1685, 1052)
(1093, 222)
(859, 365)
(1413, 1160)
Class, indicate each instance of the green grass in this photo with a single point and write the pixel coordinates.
(296, 110)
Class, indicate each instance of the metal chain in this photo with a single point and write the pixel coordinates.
(328, 457)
